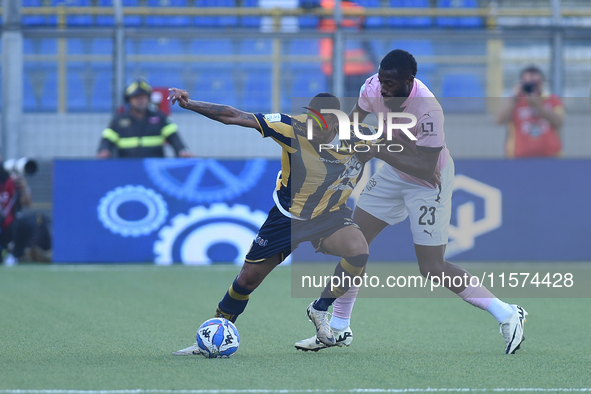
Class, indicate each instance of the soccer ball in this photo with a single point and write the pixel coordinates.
(218, 337)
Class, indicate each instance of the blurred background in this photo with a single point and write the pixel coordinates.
(65, 65)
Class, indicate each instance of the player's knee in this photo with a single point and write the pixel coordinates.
(356, 247)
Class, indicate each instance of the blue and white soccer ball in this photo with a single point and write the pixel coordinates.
(218, 337)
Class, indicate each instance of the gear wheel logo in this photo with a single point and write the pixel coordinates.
(193, 239)
(204, 180)
(110, 215)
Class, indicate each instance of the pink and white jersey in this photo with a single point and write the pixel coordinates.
(422, 104)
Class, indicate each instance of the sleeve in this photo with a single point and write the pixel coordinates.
(170, 133)
(109, 138)
(278, 127)
(365, 101)
(429, 131)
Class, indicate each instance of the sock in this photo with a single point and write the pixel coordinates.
(338, 323)
(347, 269)
(500, 310)
(481, 297)
(234, 302)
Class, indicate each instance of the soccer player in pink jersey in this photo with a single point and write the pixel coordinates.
(417, 183)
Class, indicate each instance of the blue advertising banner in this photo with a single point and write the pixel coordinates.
(199, 211)
(159, 210)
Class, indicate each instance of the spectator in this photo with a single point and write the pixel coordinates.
(140, 131)
(533, 117)
(14, 194)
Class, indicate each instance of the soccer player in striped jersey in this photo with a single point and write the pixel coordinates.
(310, 197)
(405, 188)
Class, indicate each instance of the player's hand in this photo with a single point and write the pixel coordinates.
(185, 153)
(103, 154)
(179, 95)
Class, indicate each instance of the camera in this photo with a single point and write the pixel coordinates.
(22, 166)
(528, 87)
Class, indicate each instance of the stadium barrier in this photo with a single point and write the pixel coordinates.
(204, 211)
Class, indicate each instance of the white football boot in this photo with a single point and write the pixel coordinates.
(512, 330)
(343, 338)
(193, 350)
(320, 319)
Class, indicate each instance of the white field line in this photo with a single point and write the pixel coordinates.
(303, 391)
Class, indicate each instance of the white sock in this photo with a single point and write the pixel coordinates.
(500, 310)
(338, 323)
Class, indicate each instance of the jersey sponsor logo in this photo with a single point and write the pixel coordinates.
(125, 122)
(154, 120)
(261, 241)
(272, 118)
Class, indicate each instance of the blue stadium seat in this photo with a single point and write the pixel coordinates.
(41, 80)
(301, 80)
(256, 47)
(417, 48)
(215, 21)
(410, 21)
(164, 75)
(216, 84)
(79, 87)
(218, 46)
(466, 91)
(459, 21)
(307, 47)
(108, 20)
(372, 21)
(178, 21)
(102, 92)
(39, 46)
(32, 20)
(256, 95)
(250, 21)
(163, 46)
(74, 20)
(309, 21)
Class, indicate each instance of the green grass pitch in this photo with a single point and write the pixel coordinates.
(114, 328)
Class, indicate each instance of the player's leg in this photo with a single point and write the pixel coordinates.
(429, 213)
(349, 243)
(271, 246)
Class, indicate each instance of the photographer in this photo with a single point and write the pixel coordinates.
(533, 118)
(14, 194)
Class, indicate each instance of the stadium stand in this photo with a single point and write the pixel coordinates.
(466, 90)
(458, 21)
(128, 20)
(215, 21)
(414, 21)
(372, 21)
(40, 87)
(256, 94)
(216, 84)
(309, 21)
(176, 21)
(71, 20)
(250, 21)
(32, 20)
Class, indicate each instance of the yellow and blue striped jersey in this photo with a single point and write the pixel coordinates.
(312, 182)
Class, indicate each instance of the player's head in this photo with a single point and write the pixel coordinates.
(137, 94)
(396, 74)
(319, 102)
(532, 80)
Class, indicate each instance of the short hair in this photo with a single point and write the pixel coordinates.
(325, 101)
(532, 68)
(401, 61)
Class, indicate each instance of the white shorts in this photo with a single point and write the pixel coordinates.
(391, 199)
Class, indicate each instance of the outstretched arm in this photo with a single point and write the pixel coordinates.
(221, 113)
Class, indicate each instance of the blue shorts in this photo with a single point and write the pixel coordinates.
(280, 234)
